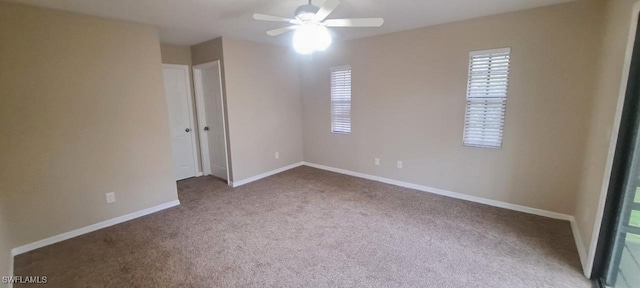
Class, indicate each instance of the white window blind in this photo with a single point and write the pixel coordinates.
(486, 97)
(341, 99)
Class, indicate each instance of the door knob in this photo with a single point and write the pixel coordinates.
(187, 130)
(206, 128)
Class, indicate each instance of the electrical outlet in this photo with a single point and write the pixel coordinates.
(399, 164)
(277, 155)
(376, 161)
(111, 197)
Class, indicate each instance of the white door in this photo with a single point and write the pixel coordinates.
(178, 93)
(211, 119)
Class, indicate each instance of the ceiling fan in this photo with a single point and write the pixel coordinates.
(310, 24)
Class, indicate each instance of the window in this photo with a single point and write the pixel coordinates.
(341, 99)
(486, 98)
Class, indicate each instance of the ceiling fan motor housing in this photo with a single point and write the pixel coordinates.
(306, 12)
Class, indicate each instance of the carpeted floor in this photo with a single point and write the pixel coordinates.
(312, 228)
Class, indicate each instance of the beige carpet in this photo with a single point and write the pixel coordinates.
(311, 228)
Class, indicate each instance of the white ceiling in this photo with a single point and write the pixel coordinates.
(188, 22)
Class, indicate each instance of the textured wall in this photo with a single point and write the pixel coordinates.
(83, 103)
(175, 54)
(409, 103)
(617, 19)
(207, 51)
(263, 103)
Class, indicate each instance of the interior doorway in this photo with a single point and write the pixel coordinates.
(210, 105)
(177, 87)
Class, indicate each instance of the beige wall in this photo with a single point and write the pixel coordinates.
(83, 111)
(263, 104)
(617, 22)
(409, 103)
(175, 54)
(5, 246)
(207, 51)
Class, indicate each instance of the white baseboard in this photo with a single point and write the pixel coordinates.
(442, 192)
(574, 226)
(266, 174)
(580, 246)
(124, 218)
(90, 228)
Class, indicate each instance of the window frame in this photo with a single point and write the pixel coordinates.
(487, 52)
(331, 98)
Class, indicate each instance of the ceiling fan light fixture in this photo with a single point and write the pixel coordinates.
(311, 37)
(310, 25)
(306, 12)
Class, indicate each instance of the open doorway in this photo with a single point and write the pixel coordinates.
(210, 105)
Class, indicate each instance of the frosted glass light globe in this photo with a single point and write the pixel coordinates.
(310, 37)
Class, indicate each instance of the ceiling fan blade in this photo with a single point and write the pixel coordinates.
(263, 17)
(325, 10)
(354, 22)
(280, 31)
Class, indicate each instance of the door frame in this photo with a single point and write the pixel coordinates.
(194, 128)
(204, 141)
(613, 143)
(610, 242)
